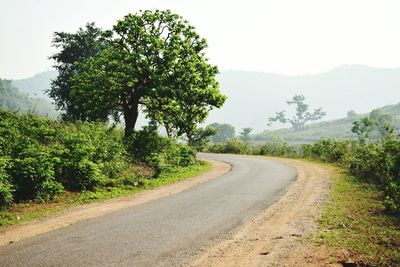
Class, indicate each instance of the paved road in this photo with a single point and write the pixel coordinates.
(165, 232)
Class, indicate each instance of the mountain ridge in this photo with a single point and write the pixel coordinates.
(253, 96)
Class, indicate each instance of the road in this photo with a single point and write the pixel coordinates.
(170, 231)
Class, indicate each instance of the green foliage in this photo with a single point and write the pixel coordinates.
(201, 137)
(152, 60)
(39, 157)
(232, 146)
(90, 155)
(6, 188)
(161, 153)
(278, 150)
(74, 48)
(224, 132)
(377, 125)
(32, 173)
(302, 114)
(328, 150)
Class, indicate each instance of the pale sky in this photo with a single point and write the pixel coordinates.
(281, 36)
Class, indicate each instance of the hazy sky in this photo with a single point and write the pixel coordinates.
(282, 36)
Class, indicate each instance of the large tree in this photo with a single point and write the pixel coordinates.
(154, 61)
(302, 116)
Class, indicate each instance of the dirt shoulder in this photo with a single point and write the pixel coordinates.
(277, 237)
(88, 211)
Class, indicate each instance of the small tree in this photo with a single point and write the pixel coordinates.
(245, 134)
(302, 115)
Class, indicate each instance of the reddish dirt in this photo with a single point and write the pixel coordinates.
(278, 236)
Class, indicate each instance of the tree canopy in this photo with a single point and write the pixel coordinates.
(302, 116)
(152, 61)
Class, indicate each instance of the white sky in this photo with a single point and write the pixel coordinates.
(282, 36)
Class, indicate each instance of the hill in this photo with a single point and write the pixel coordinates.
(339, 129)
(255, 96)
(11, 98)
(36, 85)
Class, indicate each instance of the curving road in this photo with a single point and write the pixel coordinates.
(165, 232)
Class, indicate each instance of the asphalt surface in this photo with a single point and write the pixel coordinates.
(169, 231)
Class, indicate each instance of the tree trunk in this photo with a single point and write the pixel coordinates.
(131, 114)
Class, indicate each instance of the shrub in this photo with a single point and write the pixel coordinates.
(232, 146)
(160, 153)
(282, 150)
(6, 188)
(89, 154)
(328, 150)
(33, 175)
(40, 157)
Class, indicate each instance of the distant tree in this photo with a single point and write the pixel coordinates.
(377, 125)
(153, 61)
(302, 115)
(200, 137)
(245, 134)
(224, 132)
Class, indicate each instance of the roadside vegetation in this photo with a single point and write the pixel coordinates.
(365, 210)
(41, 159)
(356, 220)
(151, 62)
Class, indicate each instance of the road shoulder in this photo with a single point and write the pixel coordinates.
(278, 236)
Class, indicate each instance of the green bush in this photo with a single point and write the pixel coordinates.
(232, 146)
(281, 150)
(40, 157)
(89, 155)
(33, 174)
(160, 153)
(328, 150)
(6, 188)
(45, 156)
(377, 162)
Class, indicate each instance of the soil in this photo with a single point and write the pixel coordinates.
(73, 215)
(279, 236)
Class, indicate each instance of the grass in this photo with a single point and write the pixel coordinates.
(355, 220)
(24, 212)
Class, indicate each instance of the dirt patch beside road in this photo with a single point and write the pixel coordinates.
(277, 237)
(88, 211)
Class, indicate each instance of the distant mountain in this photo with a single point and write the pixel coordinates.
(11, 98)
(36, 85)
(255, 96)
